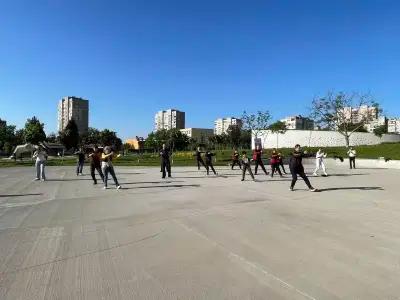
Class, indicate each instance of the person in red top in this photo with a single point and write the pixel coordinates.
(275, 161)
(257, 157)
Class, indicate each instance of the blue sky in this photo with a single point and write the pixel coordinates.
(209, 58)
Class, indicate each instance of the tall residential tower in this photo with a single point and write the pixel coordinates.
(75, 108)
(169, 119)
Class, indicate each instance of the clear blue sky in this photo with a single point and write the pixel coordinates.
(210, 58)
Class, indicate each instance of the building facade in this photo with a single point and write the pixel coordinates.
(394, 125)
(201, 135)
(75, 108)
(169, 119)
(361, 114)
(221, 125)
(136, 144)
(298, 123)
(380, 121)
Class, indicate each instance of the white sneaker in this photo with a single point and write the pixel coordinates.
(326, 174)
(118, 187)
(315, 174)
(313, 190)
(36, 179)
(104, 187)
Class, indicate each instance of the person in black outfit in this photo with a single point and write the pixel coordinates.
(235, 159)
(209, 163)
(257, 157)
(80, 161)
(296, 168)
(246, 166)
(165, 162)
(199, 159)
(95, 159)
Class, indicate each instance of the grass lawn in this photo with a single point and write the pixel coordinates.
(223, 157)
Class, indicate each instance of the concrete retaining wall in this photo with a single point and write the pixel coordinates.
(313, 138)
(362, 163)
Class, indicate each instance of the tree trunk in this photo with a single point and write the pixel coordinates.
(347, 138)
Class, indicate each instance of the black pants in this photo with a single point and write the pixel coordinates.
(236, 162)
(282, 166)
(261, 164)
(79, 167)
(208, 166)
(166, 168)
(300, 172)
(200, 161)
(352, 161)
(109, 169)
(247, 167)
(94, 167)
(275, 168)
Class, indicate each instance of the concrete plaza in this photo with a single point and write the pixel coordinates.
(197, 237)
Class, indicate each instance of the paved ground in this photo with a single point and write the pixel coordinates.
(194, 237)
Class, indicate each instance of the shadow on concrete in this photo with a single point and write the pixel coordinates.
(361, 188)
(342, 175)
(69, 179)
(151, 182)
(20, 195)
(162, 186)
(124, 173)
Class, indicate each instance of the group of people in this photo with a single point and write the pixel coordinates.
(102, 162)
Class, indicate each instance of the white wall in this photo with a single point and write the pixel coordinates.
(315, 138)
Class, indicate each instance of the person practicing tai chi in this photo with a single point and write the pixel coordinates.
(275, 163)
(236, 159)
(257, 157)
(246, 166)
(41, 157)
(296, 168)
(107, 166)
(352, 157)
(319, 162)
(208, 155)
(165, 162)
(80, 161)
(95, 164)
(199, 159)
(281, 163)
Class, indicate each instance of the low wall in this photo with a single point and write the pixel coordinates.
(364, 163)
(315, 138)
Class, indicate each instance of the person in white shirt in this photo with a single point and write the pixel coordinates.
(40, 164)
(352, 157)
(319, 162)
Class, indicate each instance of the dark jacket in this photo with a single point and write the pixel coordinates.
(295, 162)
(198, 154)
(164, 153)
(257, 155)
(209, 156)
(95, 158)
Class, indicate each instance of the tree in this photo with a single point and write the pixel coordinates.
(233, 135)
(69, 137)
(91, 137)
(256, 122)
(336, 111)
(7, 135)
(173, 138)
(34, 131)
(20, 137)
(380, 130)
(278, 127)
(52, 138)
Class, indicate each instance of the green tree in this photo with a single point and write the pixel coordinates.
(91, 137)
(34, 131)
(7, 135)
(20, 137)
(380, 130)
(233, 135)
(52, 138)
(278, 127)
(69, 137)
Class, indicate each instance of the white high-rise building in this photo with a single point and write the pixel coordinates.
(298, 123)
(394, 125)
(221, 125)
(380, 121)
(169, 119)
(360, 114)
(75, 108)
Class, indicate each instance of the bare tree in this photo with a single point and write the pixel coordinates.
(256, 122)
(345, 113)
